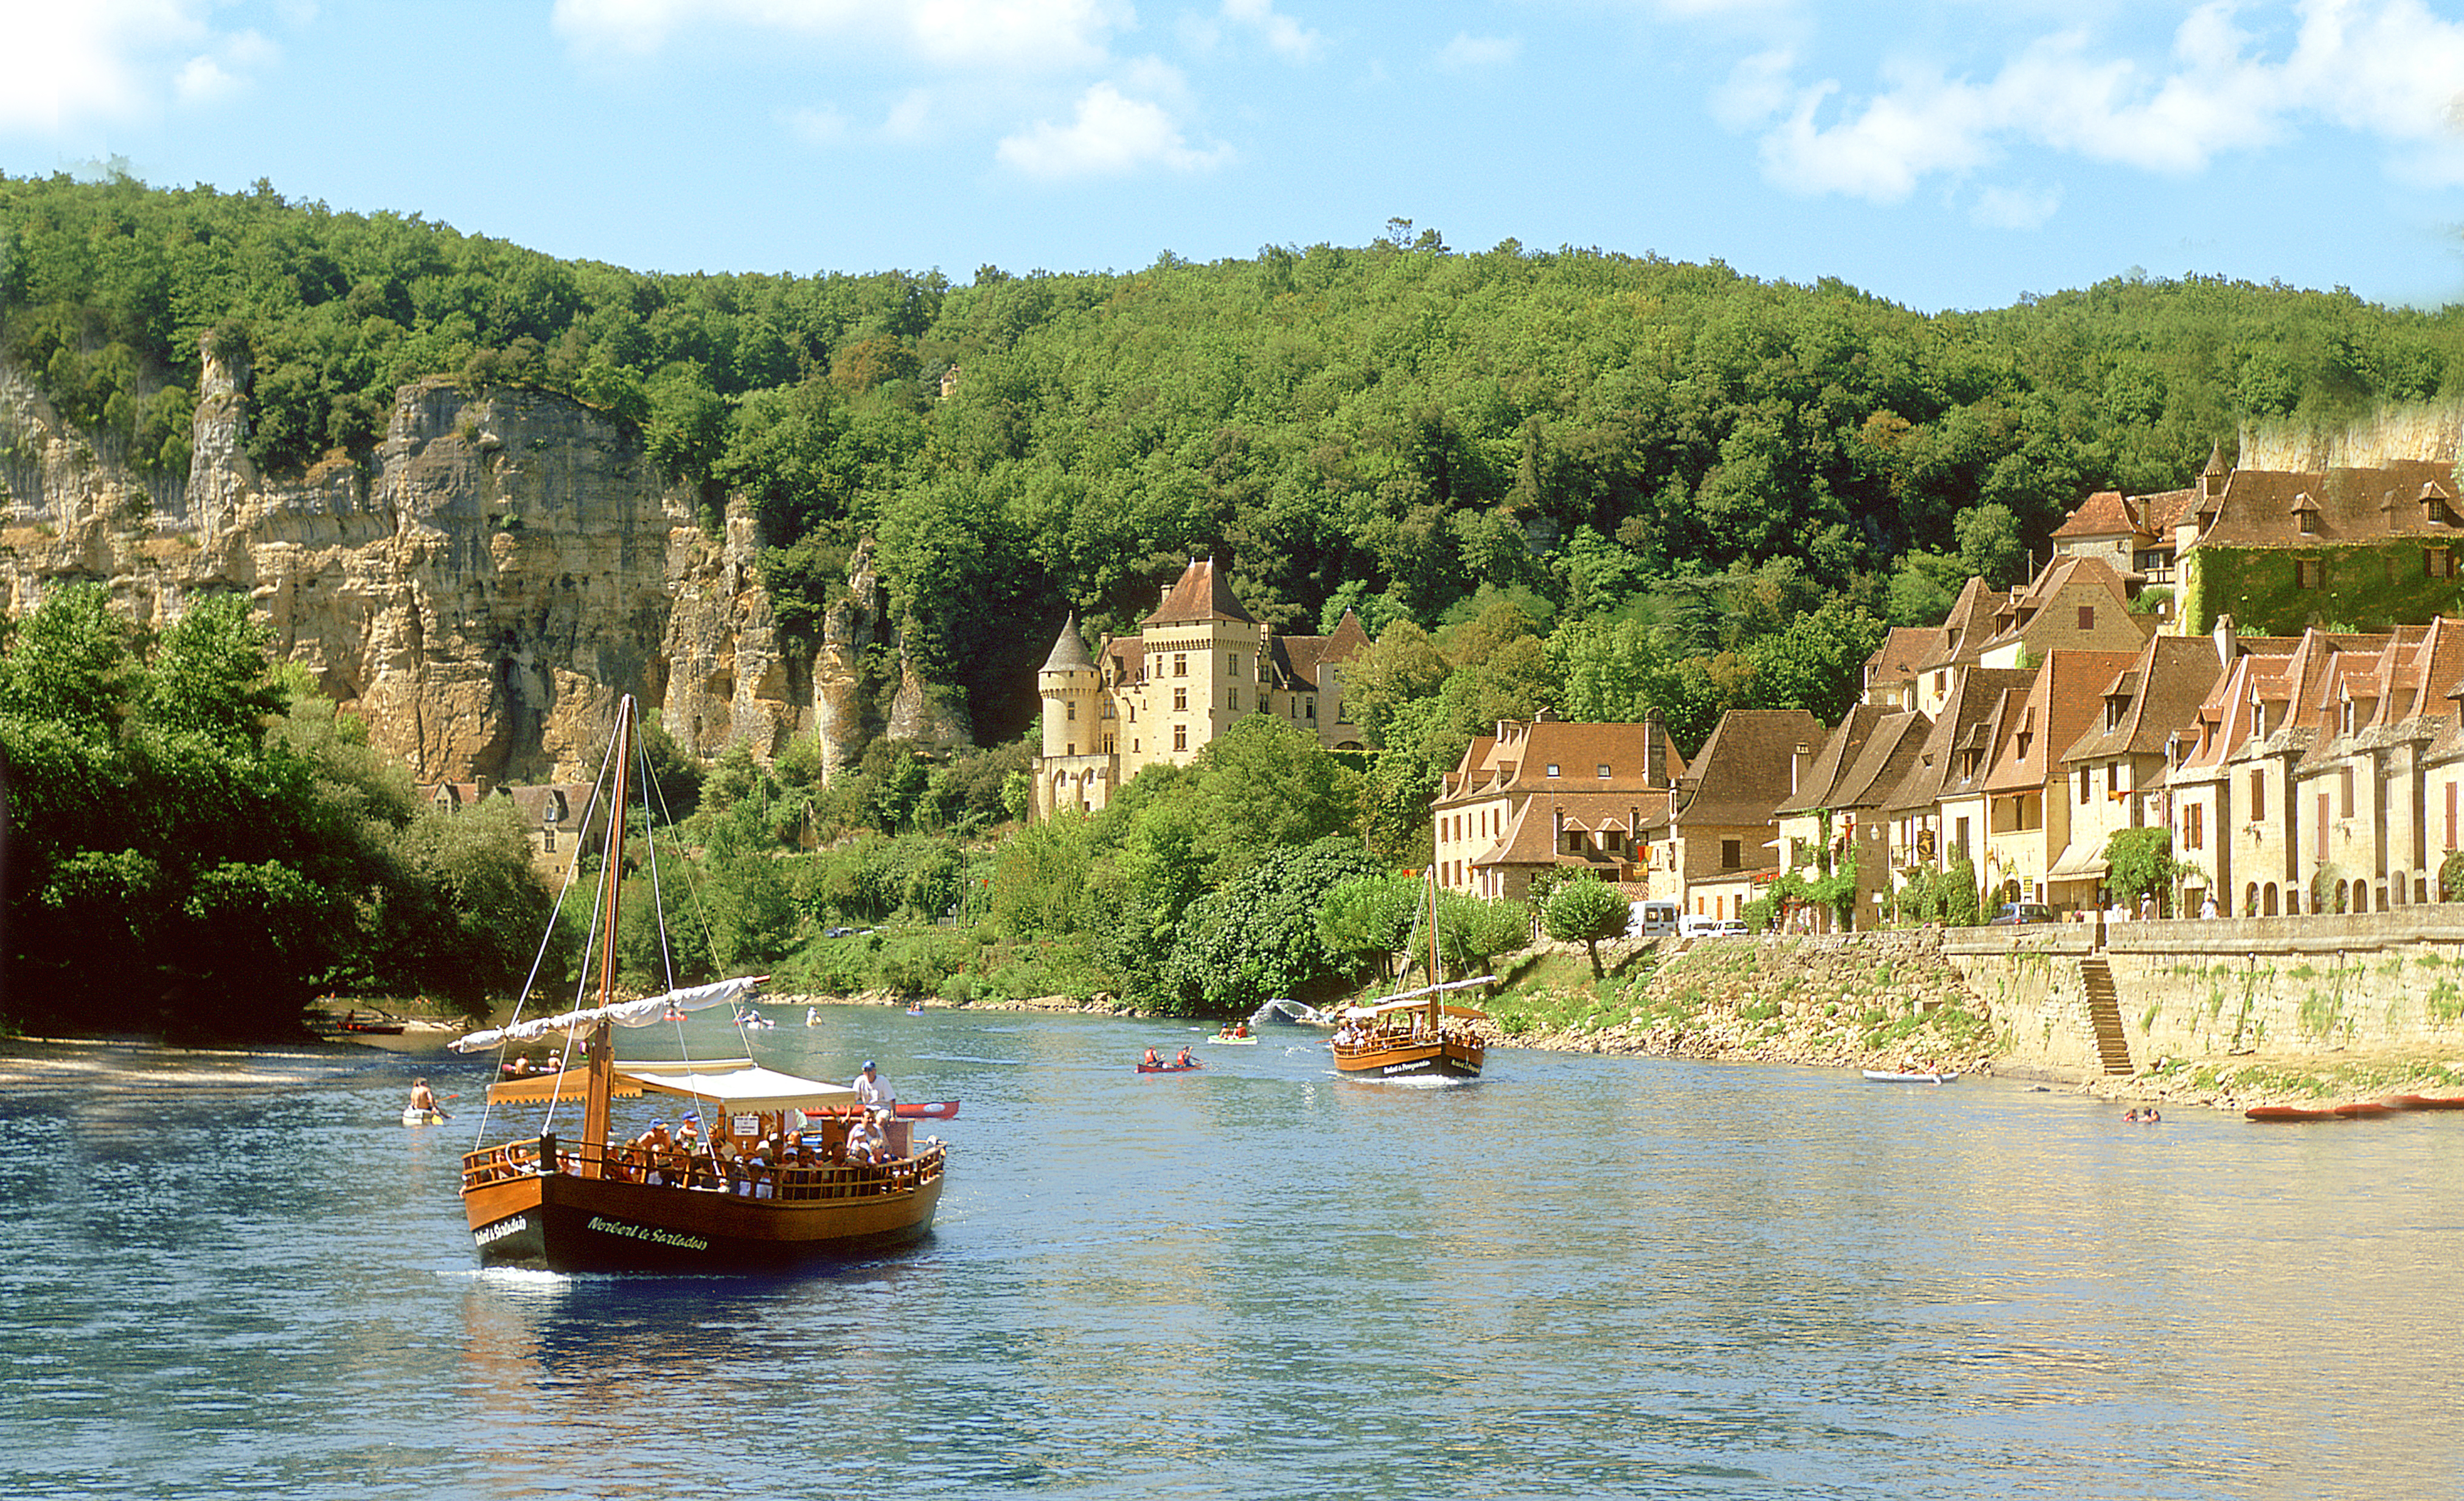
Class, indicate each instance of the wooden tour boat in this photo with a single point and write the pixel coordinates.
(1406, 1035)
(740, 1201)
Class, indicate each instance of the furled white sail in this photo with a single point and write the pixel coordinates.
(623, 1013)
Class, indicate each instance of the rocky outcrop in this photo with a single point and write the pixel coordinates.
(2425, 430)
(480, 589)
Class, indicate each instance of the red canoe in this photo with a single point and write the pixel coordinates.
(2289, 1113)
(934, 1110)
(2426, 1101)
(1191, 1067)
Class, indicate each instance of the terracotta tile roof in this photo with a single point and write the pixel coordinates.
(1897, 658)
(2104, 514)
(1882, 763)
(2258, 507)
(1742, 773)
(1968, 627)
(2067, 696)
(1201, 594)
(1517, 760)
(2160, 512)
(1832, 762)
(1530, 836)
(1966, 718)
(2162, 690)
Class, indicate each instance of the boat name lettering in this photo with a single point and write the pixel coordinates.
(648, 1232)
(500, 1229)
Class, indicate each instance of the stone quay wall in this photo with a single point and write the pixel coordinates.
(2286, 987)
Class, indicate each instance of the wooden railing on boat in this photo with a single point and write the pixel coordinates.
(791, 1183)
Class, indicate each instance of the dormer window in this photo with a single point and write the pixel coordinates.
(2305, 515)
(1553, 769)
(2346, 726)
(1604, 771)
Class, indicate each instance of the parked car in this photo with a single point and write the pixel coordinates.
(1693, 925)
(1652, 920)
(1735, 928)
(2013, 912)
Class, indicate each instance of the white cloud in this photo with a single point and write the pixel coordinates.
(73, 62)
(999, 34)
(1285, 36)
(1469, 53)
(815, 125)
(1111, 135)
(2015, 208)
(2384, 68)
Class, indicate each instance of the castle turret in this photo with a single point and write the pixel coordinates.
(1067, 682)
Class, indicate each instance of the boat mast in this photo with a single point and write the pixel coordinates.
(611, 878)
(1437, 978)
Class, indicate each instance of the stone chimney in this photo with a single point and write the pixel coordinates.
(1655, 753)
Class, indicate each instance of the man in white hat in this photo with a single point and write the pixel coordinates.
(873, 1092)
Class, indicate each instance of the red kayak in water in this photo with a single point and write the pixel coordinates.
(934, 1110)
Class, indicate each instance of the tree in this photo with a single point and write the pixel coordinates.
(1257, 939)
(1586, 911)
(2140, 860)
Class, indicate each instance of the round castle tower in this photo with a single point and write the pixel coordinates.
(1068, 682)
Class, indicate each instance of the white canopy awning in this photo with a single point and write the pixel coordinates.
(1419, 1000)
(738, 1085)
(2078, 863)
(623, 1013)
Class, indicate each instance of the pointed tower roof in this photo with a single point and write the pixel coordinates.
(1201, 595)
(1349, 639)
(2217, 464)
(1069, 652)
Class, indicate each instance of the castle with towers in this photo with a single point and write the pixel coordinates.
(1198, 663)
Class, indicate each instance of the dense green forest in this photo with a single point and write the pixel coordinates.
(198, 843)
(1595, 481)
(1399, 427)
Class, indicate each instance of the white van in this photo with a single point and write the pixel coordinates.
(1652, 920)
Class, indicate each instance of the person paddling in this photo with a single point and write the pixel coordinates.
(423, 1098)
(1153, 1060)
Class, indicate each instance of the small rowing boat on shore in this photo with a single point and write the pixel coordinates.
(1887, 1076)
(2351, 1110)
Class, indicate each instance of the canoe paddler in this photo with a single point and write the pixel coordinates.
(1153, 1060)
(421, 1097)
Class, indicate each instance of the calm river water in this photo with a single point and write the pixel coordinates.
(1581, 1276)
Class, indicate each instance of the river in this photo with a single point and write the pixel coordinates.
(235, 1274)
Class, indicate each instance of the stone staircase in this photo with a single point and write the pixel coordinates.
(2104, 1014)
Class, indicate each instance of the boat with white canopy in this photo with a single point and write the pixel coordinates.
(791, 1169)
(1406, 1035)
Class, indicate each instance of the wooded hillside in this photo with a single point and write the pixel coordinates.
(1400, 428)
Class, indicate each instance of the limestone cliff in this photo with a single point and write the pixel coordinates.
(480, 589)
(2425, 430)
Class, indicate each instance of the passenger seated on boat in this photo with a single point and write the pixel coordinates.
(1152, 1059)
(421, 1096)
(1182, 1060)
(688, 1131)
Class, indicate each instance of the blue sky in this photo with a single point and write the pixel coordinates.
(1942, 153)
